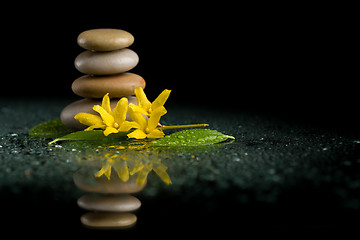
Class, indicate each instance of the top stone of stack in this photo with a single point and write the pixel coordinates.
(105, 39)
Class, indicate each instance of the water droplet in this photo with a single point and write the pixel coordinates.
(347, 163)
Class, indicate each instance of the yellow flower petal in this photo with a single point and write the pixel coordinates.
(138, 134)
(107, 118)
(137, 117)
(88, 119)
(106, 103)
(126, 126)
(139, 110)
(94, 127)
(155, 117)
(110, 130)
(141, 98)
(161, 99)
(119, 112)
(156, 133)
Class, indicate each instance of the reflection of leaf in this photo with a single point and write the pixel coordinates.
(50, 129)
(192, 137)
(89, 135)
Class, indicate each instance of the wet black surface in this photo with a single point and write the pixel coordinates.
(277, 176)
(284, 74)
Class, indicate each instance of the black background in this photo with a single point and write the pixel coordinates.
(297, 61)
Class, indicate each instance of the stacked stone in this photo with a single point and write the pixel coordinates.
(106, 62)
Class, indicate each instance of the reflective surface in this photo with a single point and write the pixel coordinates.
(275, 176)
(113, 172)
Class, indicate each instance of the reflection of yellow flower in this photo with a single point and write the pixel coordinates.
(144, 106)
(143, 171)
(119, 165)
(143, 128)
(108, 120)
(139, 166)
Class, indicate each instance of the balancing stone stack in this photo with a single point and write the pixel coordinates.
(106, 63)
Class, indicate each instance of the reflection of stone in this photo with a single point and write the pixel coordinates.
(110, 175)
(109, 203)
(85, 180)
(109, 199)
(108, 220)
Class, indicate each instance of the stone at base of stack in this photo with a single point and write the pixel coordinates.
(106, 61)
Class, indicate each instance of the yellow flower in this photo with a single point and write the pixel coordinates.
(143, 128)
(144, 106)
(108, 120)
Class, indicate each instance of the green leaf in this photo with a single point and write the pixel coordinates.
(89, 135)
(50, 129)
(192, 137)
